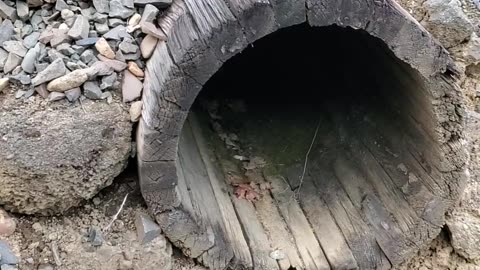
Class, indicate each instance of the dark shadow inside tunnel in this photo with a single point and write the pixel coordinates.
(329, 117)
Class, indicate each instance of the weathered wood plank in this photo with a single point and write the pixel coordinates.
(307, 244)
(233, 229)
(206, 208)
(331, 239)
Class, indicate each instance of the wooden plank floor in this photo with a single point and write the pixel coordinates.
(347, 212)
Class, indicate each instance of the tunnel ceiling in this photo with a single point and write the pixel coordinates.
(414, 102)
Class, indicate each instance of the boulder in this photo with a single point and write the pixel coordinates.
(54, 156)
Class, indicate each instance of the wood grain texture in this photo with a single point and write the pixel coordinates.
(204, 34)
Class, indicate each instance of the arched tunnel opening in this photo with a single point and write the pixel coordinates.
(314, 148)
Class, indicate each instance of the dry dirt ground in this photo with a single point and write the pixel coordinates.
(62, 242)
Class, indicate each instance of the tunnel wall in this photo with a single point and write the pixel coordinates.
(202, 35)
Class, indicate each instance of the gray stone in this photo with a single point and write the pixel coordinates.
(56, 96)
(118, 10)
(108, 96)
(101, 28)
(447, 22)
(78, 49)
(87, 56)
(27, 30)
(46, 36)
(148, 45)
(34, 3)
(59, 36)
(42, 90)
(128, 47)
(131, 87)
(119, 56)
(65, 49)
(150, 14)
(20, 94)
(100, 18)
(128, 3)
(39, 67)
(12, 62)
(108, 81)
(87, 41)
(91, 90)
(147, 229)
(101, 6)
(29, 93)
(28, 63)
(95, 237)
(36, 19)
(117, 33)
(132, 56)
(6, 31)
(7, 12)
(114, 22)
(53, 71)
(22, 10)
(30, 40)
(61, 5)
(22, 78)
(3, 58)
(80, 28)
(116, 65)
(15, 47)
(8, 267)
(72, 95)
(52, 18)
(99, 68)
(6, 254)
(158, 3)
(67, 14)
(89, 13)
(54, 55)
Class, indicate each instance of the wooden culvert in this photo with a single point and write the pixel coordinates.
(333, 141)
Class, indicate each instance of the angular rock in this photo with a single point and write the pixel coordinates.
(73, 94)
(28, 63)
(114, 22)
(150, 29)
(69, 81)
(135, 70)
(118, 10)
(4, 83)
(95, 237)
(127, 46)
(134, 20)
(42, 90)
(67, 14)
(61, 5)
(102, 28)
(101, 6)
(6, 254)
(22, 10)
(15, 47)
(80, 28)
(21, 77)
(87, 41)
(91, 90)
(132, 56)
(20, 94)
(131, 87)
(148, 45)
(117, 33)
(447, 21)
(12, 62)
(54, 55)
(29, 93)
(158, 3)
(41, 66)
(108, 81)
(8, 267)
(87, 56)
(150, 14)
(114, 64)
(46, 36)
(128, 3)
(66, 49)
(104, 48)
(147, 229)
(135, 113)
(56, 96)
(100, 18)
(59, 37)
(3, 58)
(98, 69)
(55, 70)
(6, 31)
(34, 3)
(7, 12)
(30, 40)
